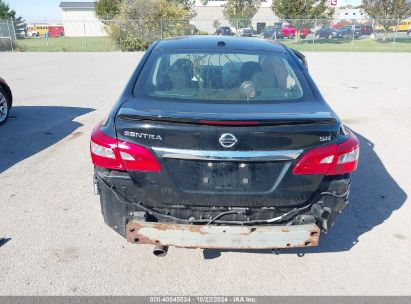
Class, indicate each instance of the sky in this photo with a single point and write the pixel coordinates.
(36, 10)
(49, 10)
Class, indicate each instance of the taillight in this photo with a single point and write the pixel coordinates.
(317, 161)
(330, 160)
(110, 153)
(104, 151)
(346, 160)
(137, 158)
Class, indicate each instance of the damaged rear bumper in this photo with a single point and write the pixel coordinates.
(222, 237)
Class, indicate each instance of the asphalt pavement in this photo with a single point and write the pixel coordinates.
(56, 243)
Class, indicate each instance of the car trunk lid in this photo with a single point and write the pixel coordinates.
(254, 170)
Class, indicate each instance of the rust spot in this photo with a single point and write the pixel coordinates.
(197, 228)
(133, 235)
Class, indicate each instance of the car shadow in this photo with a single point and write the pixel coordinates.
(32, 129)
(375, 195)
(4, 241)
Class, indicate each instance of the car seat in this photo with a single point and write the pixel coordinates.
(230, 75)
(181, 73)
(248, 69)
(264, 80)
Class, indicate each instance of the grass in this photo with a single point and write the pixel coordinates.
(347, 45)
(66, 44)
(105, 44)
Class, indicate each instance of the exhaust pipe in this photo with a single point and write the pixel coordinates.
(160, 250)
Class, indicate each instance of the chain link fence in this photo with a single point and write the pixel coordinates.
(7, 35)
(128, 35)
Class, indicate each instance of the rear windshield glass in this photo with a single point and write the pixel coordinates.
(212, 76)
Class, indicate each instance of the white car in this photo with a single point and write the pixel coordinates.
(33, 34)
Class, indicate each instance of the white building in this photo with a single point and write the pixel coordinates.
(79, 20)
(210, 10)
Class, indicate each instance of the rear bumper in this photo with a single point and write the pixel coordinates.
(222, 237)
(139, 226)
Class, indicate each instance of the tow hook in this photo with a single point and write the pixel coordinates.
(160, 250)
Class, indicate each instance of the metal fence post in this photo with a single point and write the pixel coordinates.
(353, 35)
(8, 27)
(11, 40)
(13, 27)
(85, 34)
(315, 29)
(395, 33)
(47, 42)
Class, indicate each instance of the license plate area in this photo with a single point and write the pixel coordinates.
(227, 177)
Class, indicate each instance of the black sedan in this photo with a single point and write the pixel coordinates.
(6, 100)
(224, 31)
(347, 32)
(272, 32)
(222, 142)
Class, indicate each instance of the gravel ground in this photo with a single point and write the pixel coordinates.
(57, 244)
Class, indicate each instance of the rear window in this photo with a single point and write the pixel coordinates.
(219, 76)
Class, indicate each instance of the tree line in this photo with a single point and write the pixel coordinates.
(137, 23)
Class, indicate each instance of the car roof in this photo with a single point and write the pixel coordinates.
(211, 42)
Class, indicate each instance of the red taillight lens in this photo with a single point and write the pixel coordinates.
(346, 160)
(137, 158)
(317, 161)
(110, 153)
(104, 151)
(330, 160)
